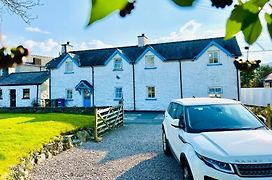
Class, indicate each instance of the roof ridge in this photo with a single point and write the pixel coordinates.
(129, 46)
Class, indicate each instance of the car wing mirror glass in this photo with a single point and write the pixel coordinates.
(263, 119)
(175, 123)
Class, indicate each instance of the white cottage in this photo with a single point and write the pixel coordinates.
(24, 89)
(147, 76)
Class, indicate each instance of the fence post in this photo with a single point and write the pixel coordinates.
(268, 115)
(96, 137)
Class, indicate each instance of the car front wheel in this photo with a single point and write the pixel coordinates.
(165, 144)
(187, 173)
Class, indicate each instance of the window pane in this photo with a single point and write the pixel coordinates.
(1, 94)
(26, 93)
(118, 93)
(213, 57)
(151, 92)
(69, 66)
(69, 94)
(118, 64)
(149, 61)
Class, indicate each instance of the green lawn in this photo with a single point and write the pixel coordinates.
(24, 133)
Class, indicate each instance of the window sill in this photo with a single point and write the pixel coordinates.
(26, 98)
(214, 64)
(118, 70)
(68, 72)
(150, 68)
(151, 99)
(68, 99)
(117, 99)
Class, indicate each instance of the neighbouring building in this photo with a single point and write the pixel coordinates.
(268, 81)
(31, 64)
(25, 89)
(146, 76)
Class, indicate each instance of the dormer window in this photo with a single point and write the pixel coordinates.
(68, 67)
(213, 57)
(149, 62)
(118, 65)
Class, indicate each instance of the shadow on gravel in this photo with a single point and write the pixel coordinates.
(159, 167)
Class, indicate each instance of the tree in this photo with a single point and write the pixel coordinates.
(245, 16)
(15, 55)
(256, 77)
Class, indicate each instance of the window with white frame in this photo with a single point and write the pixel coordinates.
(118, 65)
(151, 92)
(215, 92)
(149, 61)
(213, 57)
(118, 93)
(68, 67)
(69, 94)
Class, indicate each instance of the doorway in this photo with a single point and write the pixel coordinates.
(12, 95)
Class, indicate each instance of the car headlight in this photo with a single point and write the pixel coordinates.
(220, 166)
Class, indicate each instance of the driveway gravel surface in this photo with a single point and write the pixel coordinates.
(130, 152)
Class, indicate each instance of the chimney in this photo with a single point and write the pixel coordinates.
(65, 48)
(142, 40)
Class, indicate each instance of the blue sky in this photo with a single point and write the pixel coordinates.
(65, 20)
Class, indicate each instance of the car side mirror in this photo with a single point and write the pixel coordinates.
(175, 123)
(263, 119)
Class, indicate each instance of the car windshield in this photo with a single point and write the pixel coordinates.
(223, 117)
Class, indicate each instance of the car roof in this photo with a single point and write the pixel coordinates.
(204, 101)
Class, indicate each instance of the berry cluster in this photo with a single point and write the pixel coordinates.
(127, 9)
(247, 66)
(221, 3)
(9, 57)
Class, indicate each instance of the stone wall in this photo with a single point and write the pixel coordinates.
(58, 145)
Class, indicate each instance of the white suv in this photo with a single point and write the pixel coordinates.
(217, 139)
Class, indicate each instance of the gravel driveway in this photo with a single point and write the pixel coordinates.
(130, 152)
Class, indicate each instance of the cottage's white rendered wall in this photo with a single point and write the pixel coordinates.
(60, 81)
(106, 80)
(198, 76)
(165, 78)
(5, 102)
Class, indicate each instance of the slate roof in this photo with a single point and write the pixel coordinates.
(268, 78)
(24, 78)
(181, 50)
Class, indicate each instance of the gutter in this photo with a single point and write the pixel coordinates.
(238, 84)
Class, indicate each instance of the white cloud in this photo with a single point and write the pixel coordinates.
(36, 30)
(94, 44)
(190, 30)
(48, 47)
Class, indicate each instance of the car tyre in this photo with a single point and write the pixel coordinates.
(165, 145)
(186, 171)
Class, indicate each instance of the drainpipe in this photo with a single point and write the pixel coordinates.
(93, 82)
(180, 79)
(133, 82)
(37, 98)
(50, 85)
(238, 84)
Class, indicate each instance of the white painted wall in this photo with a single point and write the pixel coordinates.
(60, 81)
(165, 78)
(256, 96)
(5, 102)
(106, 81)
(197, 76)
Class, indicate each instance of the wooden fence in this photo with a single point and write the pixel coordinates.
(264, 111)
(107, 119)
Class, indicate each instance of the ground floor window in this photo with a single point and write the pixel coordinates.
(1, 94)
(69, 94)
(118, 93)
(215, 92)
(151, 92)
(26, 93)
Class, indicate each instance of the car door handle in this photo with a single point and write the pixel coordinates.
(181, 138)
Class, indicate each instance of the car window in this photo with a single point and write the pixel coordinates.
(173, 110)
(179, 112)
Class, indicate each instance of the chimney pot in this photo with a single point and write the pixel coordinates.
(65, 48)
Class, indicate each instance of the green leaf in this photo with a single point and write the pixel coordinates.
(234, 23)
(255, 6)
(184, 2)
(268, 19)
(253, 31)
(103, 8)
